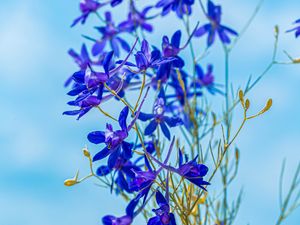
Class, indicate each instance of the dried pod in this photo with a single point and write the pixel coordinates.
(247, 104)
(86, 153)
(267, 107)
(241, 96)
(70, 182)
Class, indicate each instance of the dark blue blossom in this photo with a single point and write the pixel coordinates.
(296, 29)
(116, 146)
(214, 26)
(87, 7)
(82, 60)
(136, 19)
(158, 117)
(181, 7)
(193, 171)
(114, 3)
(163, 214)
(171, 49)
(205, 80)
(109, 36)
(124, 171)
(145, 58)
(85, 105)
(112, 220)
(88, 82)
(144, 180)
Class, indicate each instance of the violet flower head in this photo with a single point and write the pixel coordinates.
(136, 19)
(181, 7)
(296, 29)
(124, 173)
(114, 3)
(86, 7)
(172, 49)
(82, 60)
(158, 117)
(112, 220)
(193, 171)
(163, 214)
(214, 26)
(145, 58)
(116, 146)
(205, 80)
(85, 106)
(88, 82)
(109, 36)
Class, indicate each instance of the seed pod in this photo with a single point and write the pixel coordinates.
(70, 182)
(247, 104)
(86, 153)
(241, 96)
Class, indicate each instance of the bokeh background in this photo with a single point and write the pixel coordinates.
(40, 148)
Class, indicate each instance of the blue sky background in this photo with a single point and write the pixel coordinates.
(40, 148)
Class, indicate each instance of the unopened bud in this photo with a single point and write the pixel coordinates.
(86, 153)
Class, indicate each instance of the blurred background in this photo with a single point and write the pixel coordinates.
(40, 148)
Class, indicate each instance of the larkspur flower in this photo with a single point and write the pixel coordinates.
(109, 36)
(158, 117)
(125, 79)
(114, 3)
(145, 58)
(171, 49)
(214, 26)
(193, 171)
(163, 214)
(136, 19)
(144, 180)
(116, 146)
(181, 7)
(124, 173)
(85, 106)
(205, 80)
(296, 29)
(82, 60)
(112, 220)
(88, 82)
(86, 7)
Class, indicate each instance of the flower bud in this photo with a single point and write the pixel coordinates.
(70, 182)
(86, 152)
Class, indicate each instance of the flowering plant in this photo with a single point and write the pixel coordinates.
(181, 143)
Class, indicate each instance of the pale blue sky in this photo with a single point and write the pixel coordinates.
(40, 147)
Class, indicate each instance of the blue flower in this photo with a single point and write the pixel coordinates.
(171, 49)
(89, 82)
(163, 214)
(297, 28)
(205, 80)
(193, 171)
(116, 146)
(114, 3)
(112, 220)
(109, 35)
(85, 106)
(158, 117)
(136, 19)
(86, 7)
(214, 27)
(124, 172)
(145, 58)
(181, 7)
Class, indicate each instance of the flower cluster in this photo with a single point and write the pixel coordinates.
(134, 157)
